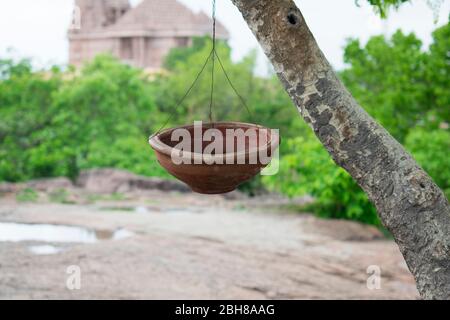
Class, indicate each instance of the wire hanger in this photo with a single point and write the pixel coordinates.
(213, 56)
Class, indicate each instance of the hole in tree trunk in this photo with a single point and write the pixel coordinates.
(292, 19)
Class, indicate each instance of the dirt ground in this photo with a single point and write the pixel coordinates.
(188, 246)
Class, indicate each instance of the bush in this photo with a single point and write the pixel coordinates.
(27, 195)
(25, 111)
(430, 149)
(101, 117)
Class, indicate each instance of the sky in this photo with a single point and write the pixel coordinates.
(37, 29)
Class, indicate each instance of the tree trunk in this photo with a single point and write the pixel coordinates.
(409, 203)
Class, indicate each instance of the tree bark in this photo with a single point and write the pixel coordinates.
(409, 203)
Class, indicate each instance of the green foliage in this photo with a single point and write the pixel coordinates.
(54, 127)
(25, 100)
(382, 6)
(387, 77)
(437, 74)
(430, 149)
(110, 110)
(27, 195)
(398, 83)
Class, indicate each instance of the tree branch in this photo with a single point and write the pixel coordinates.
(408, 202)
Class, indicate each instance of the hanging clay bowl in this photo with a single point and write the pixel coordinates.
(196, 168)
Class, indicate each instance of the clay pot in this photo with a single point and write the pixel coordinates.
(196, 168)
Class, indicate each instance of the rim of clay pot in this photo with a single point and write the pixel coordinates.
(156, 143)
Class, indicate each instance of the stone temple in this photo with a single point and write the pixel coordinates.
(141, 36)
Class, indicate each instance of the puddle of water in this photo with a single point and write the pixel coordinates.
(16, 232)
(44, 250)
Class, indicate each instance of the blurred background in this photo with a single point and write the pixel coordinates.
(84, 83)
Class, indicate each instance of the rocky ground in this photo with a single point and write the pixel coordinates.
(181, 245)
